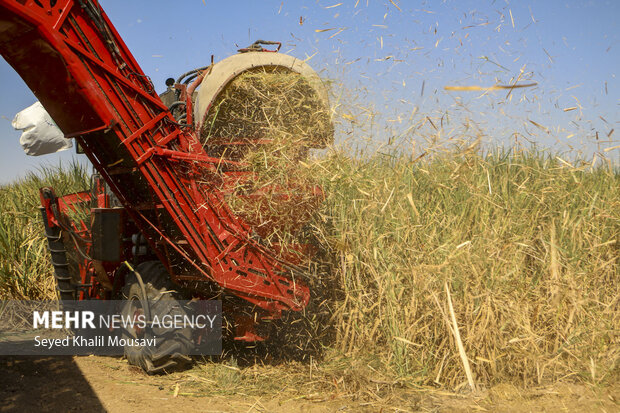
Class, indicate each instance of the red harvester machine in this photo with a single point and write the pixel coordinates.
(159, 221)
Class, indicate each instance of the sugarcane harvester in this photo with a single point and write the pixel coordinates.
(159, 216)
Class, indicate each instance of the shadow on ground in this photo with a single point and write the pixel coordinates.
(45, 384)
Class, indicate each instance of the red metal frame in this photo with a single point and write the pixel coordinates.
(77, 65)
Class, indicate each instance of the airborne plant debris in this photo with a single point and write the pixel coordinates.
(525, 241)
(278, 116)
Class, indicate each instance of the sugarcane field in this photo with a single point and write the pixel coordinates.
(313, 206)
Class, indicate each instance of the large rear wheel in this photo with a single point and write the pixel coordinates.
(156, 297)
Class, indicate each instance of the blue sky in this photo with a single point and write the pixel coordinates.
(389, 66)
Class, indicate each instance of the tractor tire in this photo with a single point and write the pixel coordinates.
(173, 345)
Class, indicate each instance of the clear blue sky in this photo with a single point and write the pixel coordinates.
(381, 59)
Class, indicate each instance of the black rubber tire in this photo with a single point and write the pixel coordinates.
(173, 345)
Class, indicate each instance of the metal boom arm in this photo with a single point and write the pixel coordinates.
(77, 65)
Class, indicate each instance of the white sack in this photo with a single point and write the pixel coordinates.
(41, 135)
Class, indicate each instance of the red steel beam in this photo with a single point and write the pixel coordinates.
(77, 65)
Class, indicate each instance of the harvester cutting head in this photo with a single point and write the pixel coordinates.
(195, 198)
(284, 87)
(265, 111)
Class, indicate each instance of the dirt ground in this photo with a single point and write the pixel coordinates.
(110, 384)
